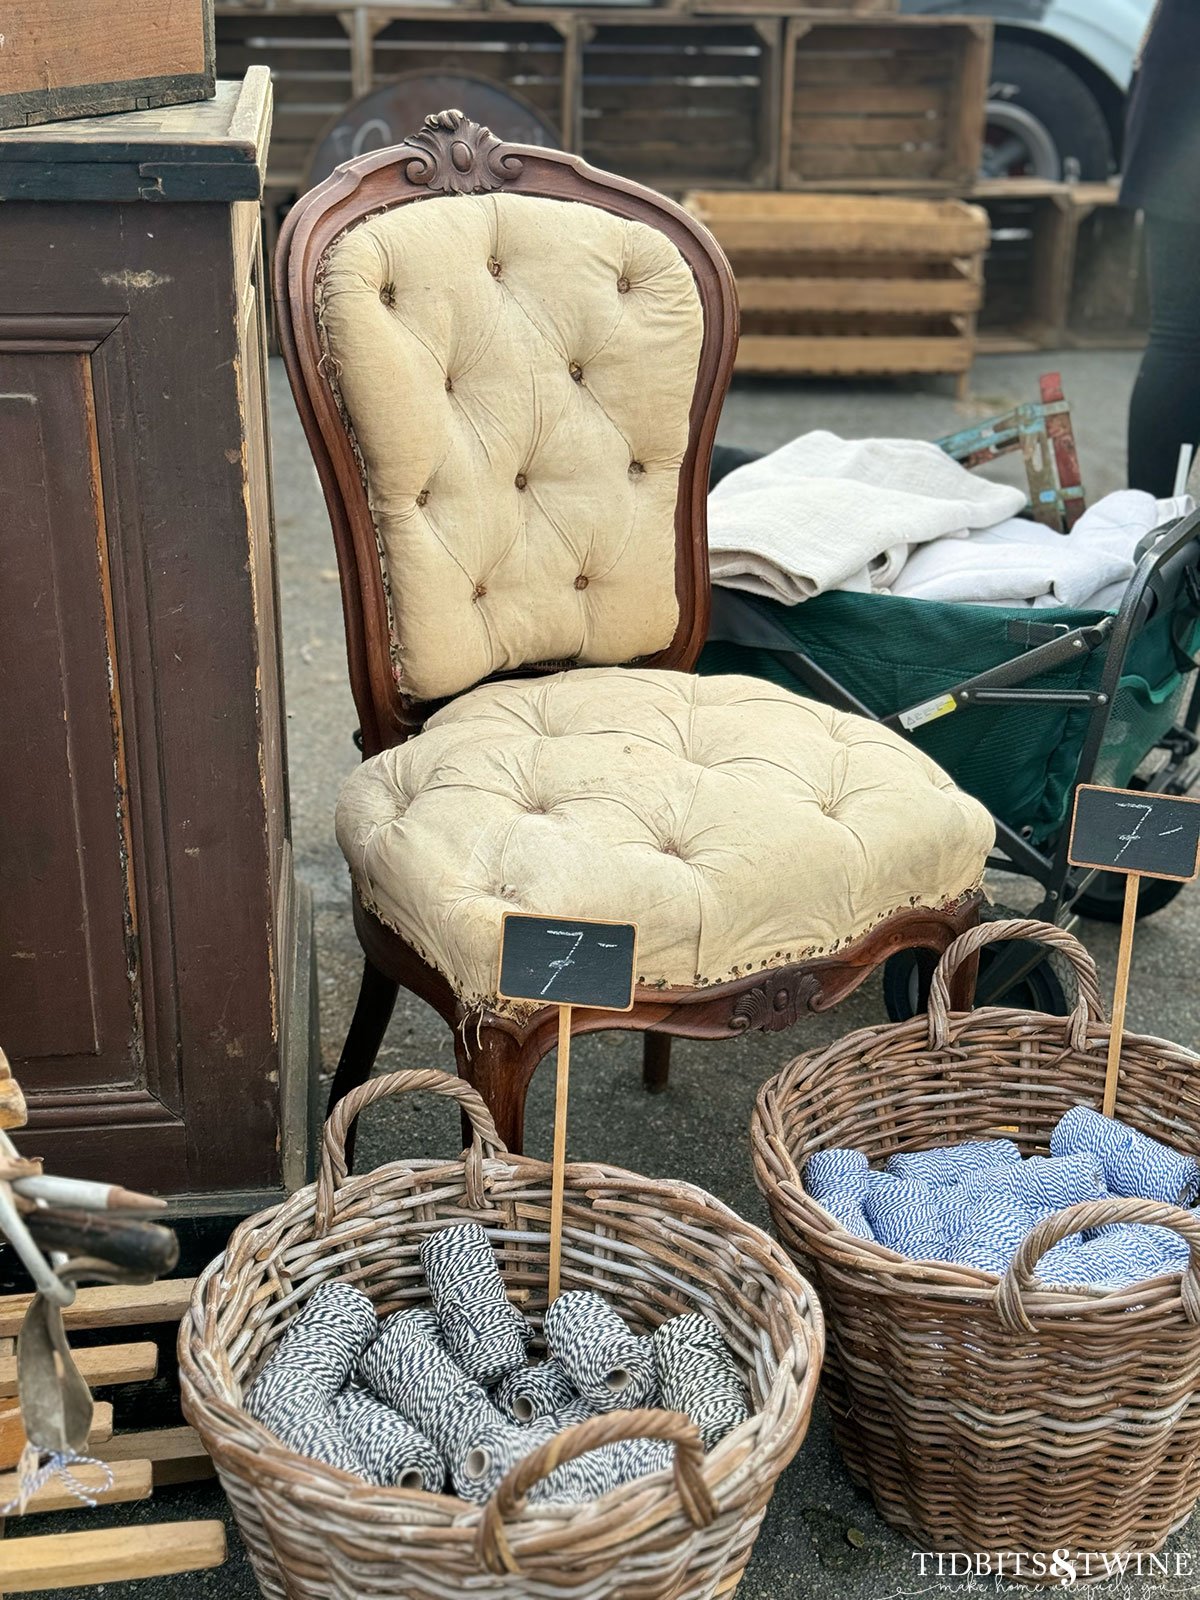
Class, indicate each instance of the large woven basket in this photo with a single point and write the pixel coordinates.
(993, 1415)
(653, 1248)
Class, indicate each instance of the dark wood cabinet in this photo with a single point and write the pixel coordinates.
(155, 992)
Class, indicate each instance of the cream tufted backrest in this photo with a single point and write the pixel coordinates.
(517, 373)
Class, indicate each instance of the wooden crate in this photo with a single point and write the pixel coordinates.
(527, 54)
(1027, 272)
(682, 102)
(309, 56)
(1108, 304)
(62, 60)
(882, 105)
(1065, 267)
(841, 284)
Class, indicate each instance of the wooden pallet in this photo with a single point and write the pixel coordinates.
(844, 285)
(879, 105)
(138, 1460)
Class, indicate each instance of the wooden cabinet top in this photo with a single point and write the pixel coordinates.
(209, 150)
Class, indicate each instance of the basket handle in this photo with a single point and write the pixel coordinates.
(1094, 1214)
(1088, 1008)
(485, 1141)
(495, 1553)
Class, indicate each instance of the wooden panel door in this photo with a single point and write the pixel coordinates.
(74, 1010)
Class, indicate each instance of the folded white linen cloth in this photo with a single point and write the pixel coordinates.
(1021, 562)
(829, 513)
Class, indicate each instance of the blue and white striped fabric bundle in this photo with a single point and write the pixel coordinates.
(972, 1204)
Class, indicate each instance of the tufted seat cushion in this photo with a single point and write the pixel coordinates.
(518, 375)
(739, 825)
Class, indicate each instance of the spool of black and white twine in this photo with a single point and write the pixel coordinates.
(612, 1368)
(296, 1410)
(413, 1375)
(530, 1393)
(325, 1341)
(292, 1394)
(393, 1453)
(483, 1330)
(697, 1375)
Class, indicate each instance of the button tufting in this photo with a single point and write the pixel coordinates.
(622, 284)
(449, 383)
(480, 591)
(581, 582)
(669, 848)
(576, 371)
(520, 480)
(387, 293)
(636, 469)
(493, 266)
(423, 497)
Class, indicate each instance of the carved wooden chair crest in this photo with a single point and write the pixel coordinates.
(509, 367)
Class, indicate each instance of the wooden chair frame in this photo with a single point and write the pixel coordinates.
(498, 1054)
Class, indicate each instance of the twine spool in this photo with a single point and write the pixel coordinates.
(1134, 1165)
(905, 1215)
(422, 1382)
(483, 1330)
(327, 1338)
(296, 1410)
(953, 1163)
(531, 1393)
(696, 1375)
(611, 1368)
(393, 1453)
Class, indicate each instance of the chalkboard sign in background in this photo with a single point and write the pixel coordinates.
(564, 962)
(1130, 830)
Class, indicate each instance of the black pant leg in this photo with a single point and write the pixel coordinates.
(1164, 409)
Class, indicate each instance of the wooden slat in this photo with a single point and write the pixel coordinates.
(131, 1480)
(109, 1555)
(811, 234)
(836, 355)
(176, 1455)
(99, 1366)
(920, 296)
(919, 128)
(12, 1434)
(109, 1306)
(879, 64)
(825, 162)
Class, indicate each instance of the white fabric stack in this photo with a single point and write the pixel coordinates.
(900, 516)
(828, 513)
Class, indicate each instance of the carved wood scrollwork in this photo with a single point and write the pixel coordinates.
(453, 155)
(777, 1003)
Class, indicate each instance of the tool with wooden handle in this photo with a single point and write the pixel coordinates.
(142, 1248)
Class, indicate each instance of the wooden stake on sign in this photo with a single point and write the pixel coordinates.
(1124, 955)
(558, 1175)
(566, 962)
(1142, 835)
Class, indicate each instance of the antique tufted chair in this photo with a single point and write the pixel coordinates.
(509, 367)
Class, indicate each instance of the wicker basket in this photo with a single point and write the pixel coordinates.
(653, 1248)
(987, 1415)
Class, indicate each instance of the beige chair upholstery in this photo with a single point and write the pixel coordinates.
(739, 825)
(517, 373)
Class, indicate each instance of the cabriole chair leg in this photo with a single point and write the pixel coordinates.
(656, 1062)
(372, 1013)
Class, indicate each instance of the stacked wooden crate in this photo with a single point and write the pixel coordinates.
(851, 284)
(1066, 267)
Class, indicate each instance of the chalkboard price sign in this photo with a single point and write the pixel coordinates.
(565, 962)
(1133, 831)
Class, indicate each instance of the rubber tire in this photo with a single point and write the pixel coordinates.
(1048, 90)
(1049, 987)
(1153, 895)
